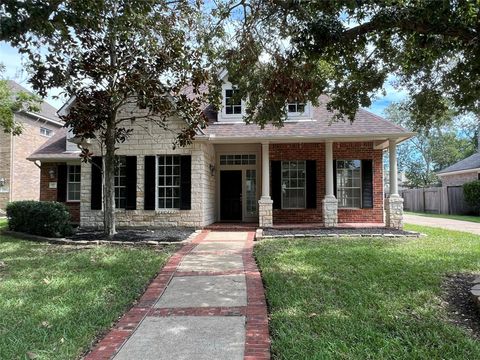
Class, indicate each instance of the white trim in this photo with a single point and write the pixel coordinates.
(459, 172)
(164, 209)
(67, 199)
(56, 122)
(229, 118)
(297, 188)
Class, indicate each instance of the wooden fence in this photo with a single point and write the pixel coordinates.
(439, 200)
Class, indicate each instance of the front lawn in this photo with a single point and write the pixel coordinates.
(367, 298)
(471, 218)
(55, 300)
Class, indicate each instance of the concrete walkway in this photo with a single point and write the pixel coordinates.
(442, 223)
(207, 303)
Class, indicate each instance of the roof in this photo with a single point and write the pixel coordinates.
(46, 110)
(55, 148)
(321, 126)
(470, 163)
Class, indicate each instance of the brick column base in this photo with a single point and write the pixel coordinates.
(330, 211)
(265, 212)
(394, 212)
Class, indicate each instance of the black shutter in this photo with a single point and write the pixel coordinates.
(149, 191)
(276, 184)
(311, 167)
(96, 190)
(61, 183)
(367, 184)
(185, 182)
(131, 188)
(335, 178)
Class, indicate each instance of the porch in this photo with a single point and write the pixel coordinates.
(306, 185)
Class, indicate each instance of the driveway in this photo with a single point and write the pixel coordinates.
(442, 223)
(206, 303)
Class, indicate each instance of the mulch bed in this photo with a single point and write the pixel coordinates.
(461, 308)
(167, 234)
(338, 231)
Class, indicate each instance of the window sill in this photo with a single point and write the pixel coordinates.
(350, 208)
(167, 211)
(293, 208)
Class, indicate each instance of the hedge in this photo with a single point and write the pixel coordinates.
(50, 219)
(471, 193)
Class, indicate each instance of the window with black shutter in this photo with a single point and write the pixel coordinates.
(62, 183)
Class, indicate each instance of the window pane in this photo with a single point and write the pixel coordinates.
(293, 184)
(168, 182)
(348, 183)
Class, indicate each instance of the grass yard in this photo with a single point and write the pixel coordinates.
(55, 300)
(471, 218)
(366, 298)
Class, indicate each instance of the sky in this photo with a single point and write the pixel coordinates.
(15, 70)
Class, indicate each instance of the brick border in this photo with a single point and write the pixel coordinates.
(257, 338)
(108, 346)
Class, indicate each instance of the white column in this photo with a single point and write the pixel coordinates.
(265, 171)
(392, 153)
(329, 191)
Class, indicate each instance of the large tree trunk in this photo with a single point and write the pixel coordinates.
(109, 173)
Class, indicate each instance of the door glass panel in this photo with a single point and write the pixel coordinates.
(251, 192)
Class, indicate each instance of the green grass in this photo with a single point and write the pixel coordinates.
(55, 300)
(366, 298)
(471, 218)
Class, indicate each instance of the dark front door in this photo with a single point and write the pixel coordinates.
(231, 195)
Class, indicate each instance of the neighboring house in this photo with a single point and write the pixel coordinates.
(20, 178)
(465, 170)
(236, 172)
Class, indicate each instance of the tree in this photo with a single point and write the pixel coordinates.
(122, 62)
(13, 102)
(432, 149)
(349, 49)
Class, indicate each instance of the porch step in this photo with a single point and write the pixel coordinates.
(232, 227)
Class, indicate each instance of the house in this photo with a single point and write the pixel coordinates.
(464, 171)
(20, 178)
(305, 172)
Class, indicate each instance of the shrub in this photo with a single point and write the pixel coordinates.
(471, 192)
(39, 218)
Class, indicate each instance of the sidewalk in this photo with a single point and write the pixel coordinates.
(449, 224)
(207, 303)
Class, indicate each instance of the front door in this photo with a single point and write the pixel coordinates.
(231, 195)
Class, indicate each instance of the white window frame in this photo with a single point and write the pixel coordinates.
(223, 116)
(295, 116)
(349, 206)
(297, 188)
(157, 186)
(120, 162)
(46, 131)
(233, 114)
(73, 182)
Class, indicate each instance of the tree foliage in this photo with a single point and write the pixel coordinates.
(13, 102)
(471, 190)
(433, 148)
(122, 62)
(349, 49)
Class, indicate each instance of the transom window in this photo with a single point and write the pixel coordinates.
(46, 132)
(239, 159)
(168, 182)
(349, 187)
(73, 183)
(296, 107)
(293, 184)
(120, 182)
(232, 106)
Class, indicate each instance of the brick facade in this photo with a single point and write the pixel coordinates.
(458, 179)
(50, 194)
(22, 177)
(341, 151)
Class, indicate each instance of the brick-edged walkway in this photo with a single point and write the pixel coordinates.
(207, 303)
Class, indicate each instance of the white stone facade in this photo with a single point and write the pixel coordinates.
(394, 212)
(265, 213)
(149, 139)
(330, 211)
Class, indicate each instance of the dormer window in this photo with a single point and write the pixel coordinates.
(296, 107)
(232, 106)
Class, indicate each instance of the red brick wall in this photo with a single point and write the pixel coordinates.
(341, 151)
(47, 194)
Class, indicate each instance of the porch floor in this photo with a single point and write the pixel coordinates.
(225, 226)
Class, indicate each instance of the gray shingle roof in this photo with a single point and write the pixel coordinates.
(46, 110)
(55, 148)
(471, 162)
(321, 125)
